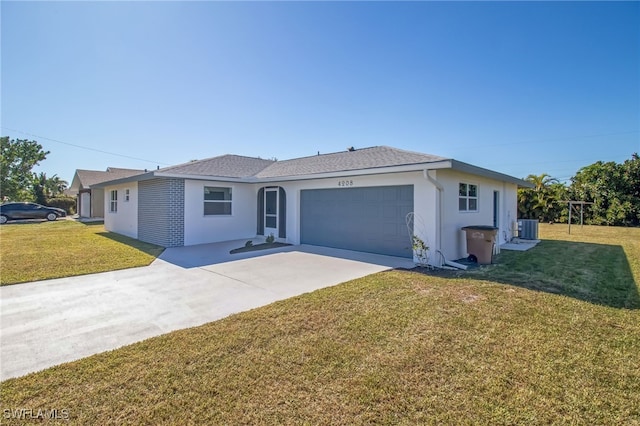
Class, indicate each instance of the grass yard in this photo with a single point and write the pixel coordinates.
(549, 336)
(596, 264)
(42, 250)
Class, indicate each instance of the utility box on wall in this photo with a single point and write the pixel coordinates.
(528, 229)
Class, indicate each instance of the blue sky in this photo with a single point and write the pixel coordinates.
(521, 88)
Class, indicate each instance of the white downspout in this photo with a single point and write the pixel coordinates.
(439, 211)
(439, 215)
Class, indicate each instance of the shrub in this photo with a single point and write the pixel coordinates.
(68, 204)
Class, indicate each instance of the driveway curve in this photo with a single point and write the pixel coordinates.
(46, 323)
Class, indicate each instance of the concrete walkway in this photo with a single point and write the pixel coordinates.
(46, 323)
(519, 245)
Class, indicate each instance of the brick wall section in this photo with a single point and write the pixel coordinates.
(161, 212)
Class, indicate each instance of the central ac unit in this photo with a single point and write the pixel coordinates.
(528, 229)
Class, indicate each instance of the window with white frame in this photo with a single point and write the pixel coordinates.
(217, 201)
(126, 195)
(468, 197)
(113, 201)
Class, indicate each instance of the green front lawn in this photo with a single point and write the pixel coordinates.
(42, 250)
(595, 264)
(514, 343)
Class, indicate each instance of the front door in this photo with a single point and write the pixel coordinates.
(271, 212)
(85, 204)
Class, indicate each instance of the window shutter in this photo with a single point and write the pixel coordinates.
(260, 211)
(282, 212)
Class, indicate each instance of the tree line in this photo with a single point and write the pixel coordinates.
(613, 188)
(18, 157)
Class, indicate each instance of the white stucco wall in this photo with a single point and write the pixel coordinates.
(241, 224)
(200, 229)
(454, 239)
(424, 199)
(509, 212)
(125, 220)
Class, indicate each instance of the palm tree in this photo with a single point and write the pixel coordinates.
(541, 182)
(541, 201)
(55, 186)
(44, 187)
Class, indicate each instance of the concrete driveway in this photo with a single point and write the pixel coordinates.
(46, 323)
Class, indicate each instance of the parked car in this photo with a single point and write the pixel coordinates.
(17, 211)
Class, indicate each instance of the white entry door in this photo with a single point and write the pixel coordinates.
(85, 205)
(271, 212)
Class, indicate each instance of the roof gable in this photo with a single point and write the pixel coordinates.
(84, 179)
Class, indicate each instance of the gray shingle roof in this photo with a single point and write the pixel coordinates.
(252, 169)
(359, 159)
(231, 166)
(92, 177)
(237, 166)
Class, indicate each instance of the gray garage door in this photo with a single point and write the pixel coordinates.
(364, 219)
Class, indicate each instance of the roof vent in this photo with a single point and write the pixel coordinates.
(351, 149)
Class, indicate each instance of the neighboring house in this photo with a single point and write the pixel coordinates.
(357, 200)
(90, 201)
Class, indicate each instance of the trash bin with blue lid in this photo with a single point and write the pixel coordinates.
(480, 242)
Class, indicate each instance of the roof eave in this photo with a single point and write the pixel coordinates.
(441, 164)
(475, 170)
(205, 177)
(134, 178)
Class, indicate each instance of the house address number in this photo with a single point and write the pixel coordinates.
(345, 183)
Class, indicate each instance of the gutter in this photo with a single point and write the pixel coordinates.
(134, 178)
(480, 171)
(324, 175)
